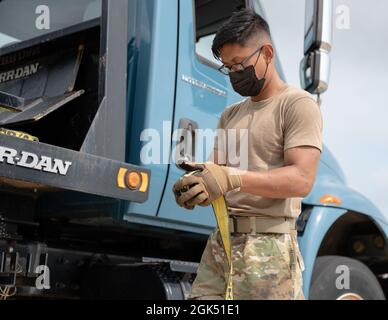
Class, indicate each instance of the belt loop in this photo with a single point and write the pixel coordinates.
(253, 225)
(233, 224)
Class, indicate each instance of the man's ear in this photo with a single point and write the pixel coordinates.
(269, 53)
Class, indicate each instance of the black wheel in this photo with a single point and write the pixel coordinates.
(328, 280)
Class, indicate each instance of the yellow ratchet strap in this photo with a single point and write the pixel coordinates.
(221, 213)
(18, 134)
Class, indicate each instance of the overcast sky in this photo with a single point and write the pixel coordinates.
(355, 107)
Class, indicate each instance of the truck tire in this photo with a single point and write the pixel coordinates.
(362, 284)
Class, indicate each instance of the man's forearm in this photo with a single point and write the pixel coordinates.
(281, 183)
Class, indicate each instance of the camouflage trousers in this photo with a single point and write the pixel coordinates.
(267, 266)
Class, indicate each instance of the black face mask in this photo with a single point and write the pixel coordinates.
(246, 83)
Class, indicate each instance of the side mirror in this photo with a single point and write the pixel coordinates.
(315, 72)
(315, 66)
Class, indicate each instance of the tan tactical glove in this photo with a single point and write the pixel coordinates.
(206, 183)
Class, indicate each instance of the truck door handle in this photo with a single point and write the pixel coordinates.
(186, 141)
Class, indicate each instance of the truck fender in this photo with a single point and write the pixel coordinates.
(320, 220)
(351, 199)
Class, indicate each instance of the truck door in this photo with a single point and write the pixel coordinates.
(202, 93)
(151, 94)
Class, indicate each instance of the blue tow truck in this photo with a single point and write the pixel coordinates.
(83, 215)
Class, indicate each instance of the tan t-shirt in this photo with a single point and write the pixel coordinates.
(289, 119)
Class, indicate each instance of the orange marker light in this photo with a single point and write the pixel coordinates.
(133, 180)
(145, 182)
(121, 178)
(330, 199)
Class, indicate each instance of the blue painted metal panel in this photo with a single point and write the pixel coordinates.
(319, 223)
(197, 104)
(153, 90)
(328, 182)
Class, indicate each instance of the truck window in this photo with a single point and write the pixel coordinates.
(209, 16)
(21, 20)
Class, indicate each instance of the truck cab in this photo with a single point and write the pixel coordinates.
(139, 76)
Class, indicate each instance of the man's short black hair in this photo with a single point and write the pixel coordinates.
(240, 28)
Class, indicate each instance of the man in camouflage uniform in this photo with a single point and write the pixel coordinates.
(284, 127)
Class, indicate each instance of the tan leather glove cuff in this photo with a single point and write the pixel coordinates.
(226, 178)
(234, 176)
